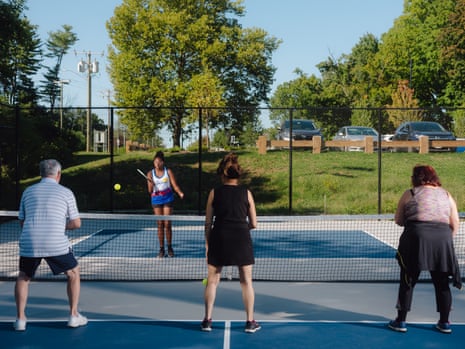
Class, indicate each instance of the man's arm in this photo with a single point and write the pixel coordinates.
(73, 224)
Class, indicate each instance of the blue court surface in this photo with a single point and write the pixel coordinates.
(227, 334)
(168, 314)
(268, 243)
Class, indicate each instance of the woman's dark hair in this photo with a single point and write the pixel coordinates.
(425, 175)
(229, 167)
(160, 155)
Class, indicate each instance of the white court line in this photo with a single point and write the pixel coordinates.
(227, 335)
(380, 240)
(80, 239)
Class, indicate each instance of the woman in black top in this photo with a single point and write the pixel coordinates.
(230, 215)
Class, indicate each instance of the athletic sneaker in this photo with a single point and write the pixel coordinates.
(252, 326)
(161, 253)
(170, 251)
(398, 326)
(206, 325)
(444, 327)
(19, 325)
(77, 321)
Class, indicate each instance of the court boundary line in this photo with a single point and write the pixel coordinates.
(379, 239)
(227, 335)
(83, 238)
(230, 322)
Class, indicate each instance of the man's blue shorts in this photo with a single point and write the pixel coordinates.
(57, 264)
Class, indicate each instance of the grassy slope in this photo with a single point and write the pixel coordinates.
(331, 183)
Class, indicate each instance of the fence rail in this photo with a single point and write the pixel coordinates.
(369, 145)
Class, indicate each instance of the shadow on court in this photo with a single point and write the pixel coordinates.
(185, 334)
(183, 301)
(168, 314)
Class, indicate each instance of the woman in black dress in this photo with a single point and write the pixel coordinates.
(230, 215)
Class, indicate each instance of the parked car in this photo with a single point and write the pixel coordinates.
(412, 130)
(301, 130)
(386, 138)
(354, 133)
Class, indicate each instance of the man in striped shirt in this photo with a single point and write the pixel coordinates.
(46, 210)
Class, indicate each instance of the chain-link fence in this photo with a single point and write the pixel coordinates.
(100, 135)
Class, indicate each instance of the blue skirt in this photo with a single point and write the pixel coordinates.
(162, 198)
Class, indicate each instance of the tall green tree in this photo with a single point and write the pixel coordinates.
(302, 92)
(411, 49)
(404, 105)
(58, 44)
(452, 43)
(208, 92)
(161, 48)
(19, 52)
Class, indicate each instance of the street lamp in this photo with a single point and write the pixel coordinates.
(61, 83)
(90, 67)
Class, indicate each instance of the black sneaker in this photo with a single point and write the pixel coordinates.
(398, 326)
(161, 253)
(206, 325)
(170, 251)
(252, 326)
(444, 327)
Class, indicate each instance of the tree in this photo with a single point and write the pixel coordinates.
(161, 48)
(411, 49)
(404, 106)
(19, 49)
(207, 92)
(303, 92)
(58, 44)
(452, 42)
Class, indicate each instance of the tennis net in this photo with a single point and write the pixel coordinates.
(124, 247)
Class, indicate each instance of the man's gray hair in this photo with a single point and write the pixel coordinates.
(49, 168)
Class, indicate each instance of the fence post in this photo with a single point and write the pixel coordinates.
(424, 144)
(291, 121)
(380, 163)
(112, 157)
(316, 144)
(199, 184)
(369, 144)
(261, 143)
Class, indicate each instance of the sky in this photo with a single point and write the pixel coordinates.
(310, 31)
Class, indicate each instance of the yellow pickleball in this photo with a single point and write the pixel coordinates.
(117, 186)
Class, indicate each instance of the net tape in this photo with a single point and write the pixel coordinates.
(124, 247)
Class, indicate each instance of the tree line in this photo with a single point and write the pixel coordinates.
(418, 63)
(169, 58)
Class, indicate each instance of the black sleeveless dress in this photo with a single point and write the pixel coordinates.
(230, 242)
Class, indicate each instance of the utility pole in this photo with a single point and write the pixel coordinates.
(89, 67)
(61, 83)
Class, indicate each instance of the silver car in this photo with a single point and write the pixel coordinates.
(355, 133)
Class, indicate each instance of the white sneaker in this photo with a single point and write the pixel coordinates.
(19, 325)
(77, 321)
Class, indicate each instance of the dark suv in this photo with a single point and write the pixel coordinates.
(412, 130)
(301, 130)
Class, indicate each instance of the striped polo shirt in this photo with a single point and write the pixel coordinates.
(45, 208)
